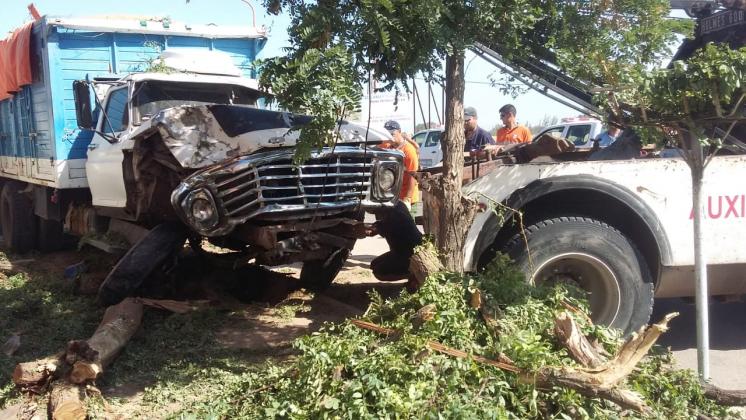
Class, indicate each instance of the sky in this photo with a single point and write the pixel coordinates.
(532, 107)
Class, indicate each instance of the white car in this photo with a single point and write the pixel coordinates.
(430, 152)
(579, 131)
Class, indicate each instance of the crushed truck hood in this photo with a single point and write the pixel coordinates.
(200, 136)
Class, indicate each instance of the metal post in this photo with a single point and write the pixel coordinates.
(429, 92)
(700, 262)
(414, 105)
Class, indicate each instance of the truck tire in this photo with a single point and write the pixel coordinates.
(51, 236)
(17, 219)
(318, 275)
(594, 256)
(133, 269)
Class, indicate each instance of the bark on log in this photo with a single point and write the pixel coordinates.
(37, 372)
(33, 408)
(572, 339)
(727, 397)
(90, 357)
(66, 401)
(424, 262)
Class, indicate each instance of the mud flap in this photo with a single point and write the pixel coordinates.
(148, 254)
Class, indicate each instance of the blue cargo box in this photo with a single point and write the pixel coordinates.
(39, 138)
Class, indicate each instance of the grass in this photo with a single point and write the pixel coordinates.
(172, 359)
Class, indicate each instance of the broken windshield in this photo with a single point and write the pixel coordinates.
(151, 97)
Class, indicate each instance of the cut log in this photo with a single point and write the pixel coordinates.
(90, 357)
(572, 339)
(727, 397)
(66, 401)
(30, 374)
(424, 262)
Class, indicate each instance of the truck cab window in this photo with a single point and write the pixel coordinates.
(153, 96)
(116, 112)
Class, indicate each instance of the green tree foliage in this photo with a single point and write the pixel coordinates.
(393, 40)
(346, 372)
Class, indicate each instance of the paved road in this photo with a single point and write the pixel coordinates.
(727, 331)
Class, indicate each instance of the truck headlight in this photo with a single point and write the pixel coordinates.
(201, 210)
(388, 177)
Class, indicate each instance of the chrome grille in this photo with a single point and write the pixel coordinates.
(279, 184)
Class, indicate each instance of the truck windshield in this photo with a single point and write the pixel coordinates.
(151, 97)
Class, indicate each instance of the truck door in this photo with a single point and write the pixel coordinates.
(104, 164)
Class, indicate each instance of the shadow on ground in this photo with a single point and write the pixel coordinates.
(726, 324)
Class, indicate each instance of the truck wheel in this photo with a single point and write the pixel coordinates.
(145, 256)
(51, 236)
(318, 275)
(17, 219)
(594, 256)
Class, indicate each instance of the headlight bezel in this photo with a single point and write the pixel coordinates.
(386, 195)
(201, 194)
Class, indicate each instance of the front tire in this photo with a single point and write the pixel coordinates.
(318, 275)
(133, 269)
(594, 256)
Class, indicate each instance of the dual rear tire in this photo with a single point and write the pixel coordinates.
(22, 230)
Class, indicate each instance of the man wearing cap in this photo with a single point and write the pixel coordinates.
(610, 135)
(511, 132)
(409, 193)
(477, 138)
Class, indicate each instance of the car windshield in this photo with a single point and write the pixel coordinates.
(153, 96)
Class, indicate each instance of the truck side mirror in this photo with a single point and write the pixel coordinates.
(83, 111)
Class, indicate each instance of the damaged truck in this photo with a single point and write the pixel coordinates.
(139, 135)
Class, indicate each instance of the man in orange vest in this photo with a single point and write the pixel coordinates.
(410, 193)
(511, 132)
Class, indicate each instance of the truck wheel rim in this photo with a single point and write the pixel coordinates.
(590, 274)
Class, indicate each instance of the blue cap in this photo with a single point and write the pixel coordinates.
(392, 125)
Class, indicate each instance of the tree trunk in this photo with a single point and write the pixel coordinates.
(90, 357)
(66, 401)
(423, 263)
(38, 372)
(456, 212)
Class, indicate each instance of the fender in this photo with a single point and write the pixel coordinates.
(541, 187)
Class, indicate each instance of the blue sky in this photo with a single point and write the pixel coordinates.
(532, 107)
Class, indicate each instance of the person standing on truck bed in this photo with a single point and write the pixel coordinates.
(476, 137)
(409, 193)
(610, 135)
(511, 132)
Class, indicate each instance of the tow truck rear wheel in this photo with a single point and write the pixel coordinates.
(151, 252)
(594, 256)
(318, 275)
(17, 219)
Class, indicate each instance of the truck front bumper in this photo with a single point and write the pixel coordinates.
(267, 187)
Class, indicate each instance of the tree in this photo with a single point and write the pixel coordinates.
(337, 46)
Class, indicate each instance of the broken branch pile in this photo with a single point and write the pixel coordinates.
(483, 346)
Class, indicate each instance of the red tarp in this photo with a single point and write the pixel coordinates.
(15, 61)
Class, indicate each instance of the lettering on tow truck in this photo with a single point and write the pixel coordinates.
(724, 207)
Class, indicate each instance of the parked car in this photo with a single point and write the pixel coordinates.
(430, 152)
(580, 131)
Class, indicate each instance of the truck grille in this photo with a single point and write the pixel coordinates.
(268, 187)
(280, 185)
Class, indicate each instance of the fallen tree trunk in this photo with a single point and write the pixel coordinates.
(38, 372)
(90, 357)
(727, 397)
(66, 401)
